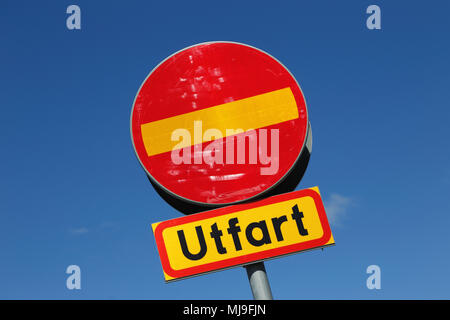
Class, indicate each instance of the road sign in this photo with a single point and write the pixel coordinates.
(242, 234)
(219, 123)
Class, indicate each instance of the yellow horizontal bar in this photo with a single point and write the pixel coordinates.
(250, 113)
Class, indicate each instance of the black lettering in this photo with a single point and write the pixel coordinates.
(263, 227)
(201, 241)
(276, 222)
(297, 216)
(216, 234)
(233, 230)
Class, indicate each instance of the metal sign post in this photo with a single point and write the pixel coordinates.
(259, 283)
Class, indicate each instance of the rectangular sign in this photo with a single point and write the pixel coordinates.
(242, 234)
(260, 111)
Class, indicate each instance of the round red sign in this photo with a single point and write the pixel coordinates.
(219, 123)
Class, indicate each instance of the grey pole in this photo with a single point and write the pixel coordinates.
(259, 283)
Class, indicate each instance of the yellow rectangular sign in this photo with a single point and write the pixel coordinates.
(241, 234)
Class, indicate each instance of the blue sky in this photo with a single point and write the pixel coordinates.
(72, 191)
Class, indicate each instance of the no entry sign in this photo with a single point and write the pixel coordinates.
(242, 234)
(219, 123)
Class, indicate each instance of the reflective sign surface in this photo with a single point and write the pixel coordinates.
(219, 123)
(240, 234)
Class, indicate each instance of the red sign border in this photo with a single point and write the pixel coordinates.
(252, 257)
